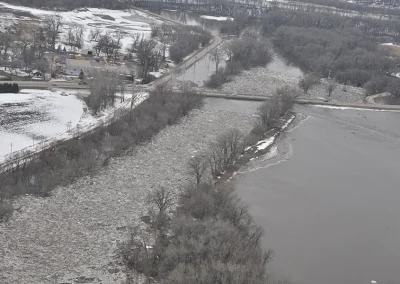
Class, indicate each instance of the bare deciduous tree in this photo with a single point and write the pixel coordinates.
(94, 34)
(162, 198)
(197, 167)
(307, 82)
(216, 55)
(146, 53)
(103, 91)
(52, 27)
(330, 88)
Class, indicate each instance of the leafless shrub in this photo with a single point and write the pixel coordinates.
(330, 88)
(103, 92)
(138, 254)
(271, 111)
(307, 82)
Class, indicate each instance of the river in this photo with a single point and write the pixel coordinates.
(328, 199)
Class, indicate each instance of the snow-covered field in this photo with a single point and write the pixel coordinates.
(128, 22)
(34, 118)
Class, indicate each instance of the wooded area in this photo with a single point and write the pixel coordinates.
(332, 46)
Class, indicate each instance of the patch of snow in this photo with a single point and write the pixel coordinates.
(352, 108)
(58, 80)
(129, 22)
(157, 74)
(263, 144)
(288, 122)
(216, 18)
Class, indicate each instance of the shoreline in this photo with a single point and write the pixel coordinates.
(261, 148)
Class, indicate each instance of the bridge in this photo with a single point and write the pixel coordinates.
(218, 7)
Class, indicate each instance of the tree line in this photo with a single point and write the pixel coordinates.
(9, 88)
(303, 17)
(204, 233)
(66, 161)
(356, 7)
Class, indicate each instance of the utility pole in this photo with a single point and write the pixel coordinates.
(11, 144)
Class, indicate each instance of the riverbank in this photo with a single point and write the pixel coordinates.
(261, 148)
(76, 231)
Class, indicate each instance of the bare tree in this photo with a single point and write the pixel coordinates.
(70, 38)
(162, 198)
(103, 91)
(109, 43)
(79, 30)
(6, 40)
(287, 95)
(42, 65)
(24, 43)
(197, 167)
(145, 50)
(227, 49)
(216, 55)
(52, 27)
(117, 37)
(94, 34)
(307, 82)
(330, 88)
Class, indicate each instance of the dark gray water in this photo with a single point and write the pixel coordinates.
(329, 200)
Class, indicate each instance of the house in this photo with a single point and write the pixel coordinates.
(74, 67)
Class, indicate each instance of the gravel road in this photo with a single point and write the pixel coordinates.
(74, 233)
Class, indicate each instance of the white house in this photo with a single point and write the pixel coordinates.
(74, 67)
